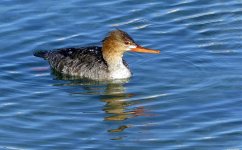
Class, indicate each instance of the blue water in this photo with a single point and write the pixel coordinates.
(188, 97)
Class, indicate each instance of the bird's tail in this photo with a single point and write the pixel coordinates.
(41, 53)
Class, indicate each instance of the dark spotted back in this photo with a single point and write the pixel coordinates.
(85, 62)
(75, 53)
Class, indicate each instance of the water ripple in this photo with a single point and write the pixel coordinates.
(188, 97)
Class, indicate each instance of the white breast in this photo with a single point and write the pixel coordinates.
(120, 72)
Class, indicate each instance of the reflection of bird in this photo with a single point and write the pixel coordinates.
(98, 63)
(116, 105)
(115, 102)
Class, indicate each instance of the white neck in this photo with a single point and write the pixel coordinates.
(118, 70)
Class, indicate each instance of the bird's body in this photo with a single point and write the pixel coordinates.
(97, 63)
(86, 62)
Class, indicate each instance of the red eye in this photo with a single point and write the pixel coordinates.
(127, 42)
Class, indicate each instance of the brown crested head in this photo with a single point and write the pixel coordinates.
(119, 41)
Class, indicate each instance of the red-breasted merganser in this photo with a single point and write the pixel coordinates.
(97, 63)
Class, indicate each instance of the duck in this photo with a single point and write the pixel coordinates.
(95, 62)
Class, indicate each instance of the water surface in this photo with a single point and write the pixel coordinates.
(188, 97)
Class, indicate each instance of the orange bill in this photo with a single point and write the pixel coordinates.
(144, 50)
